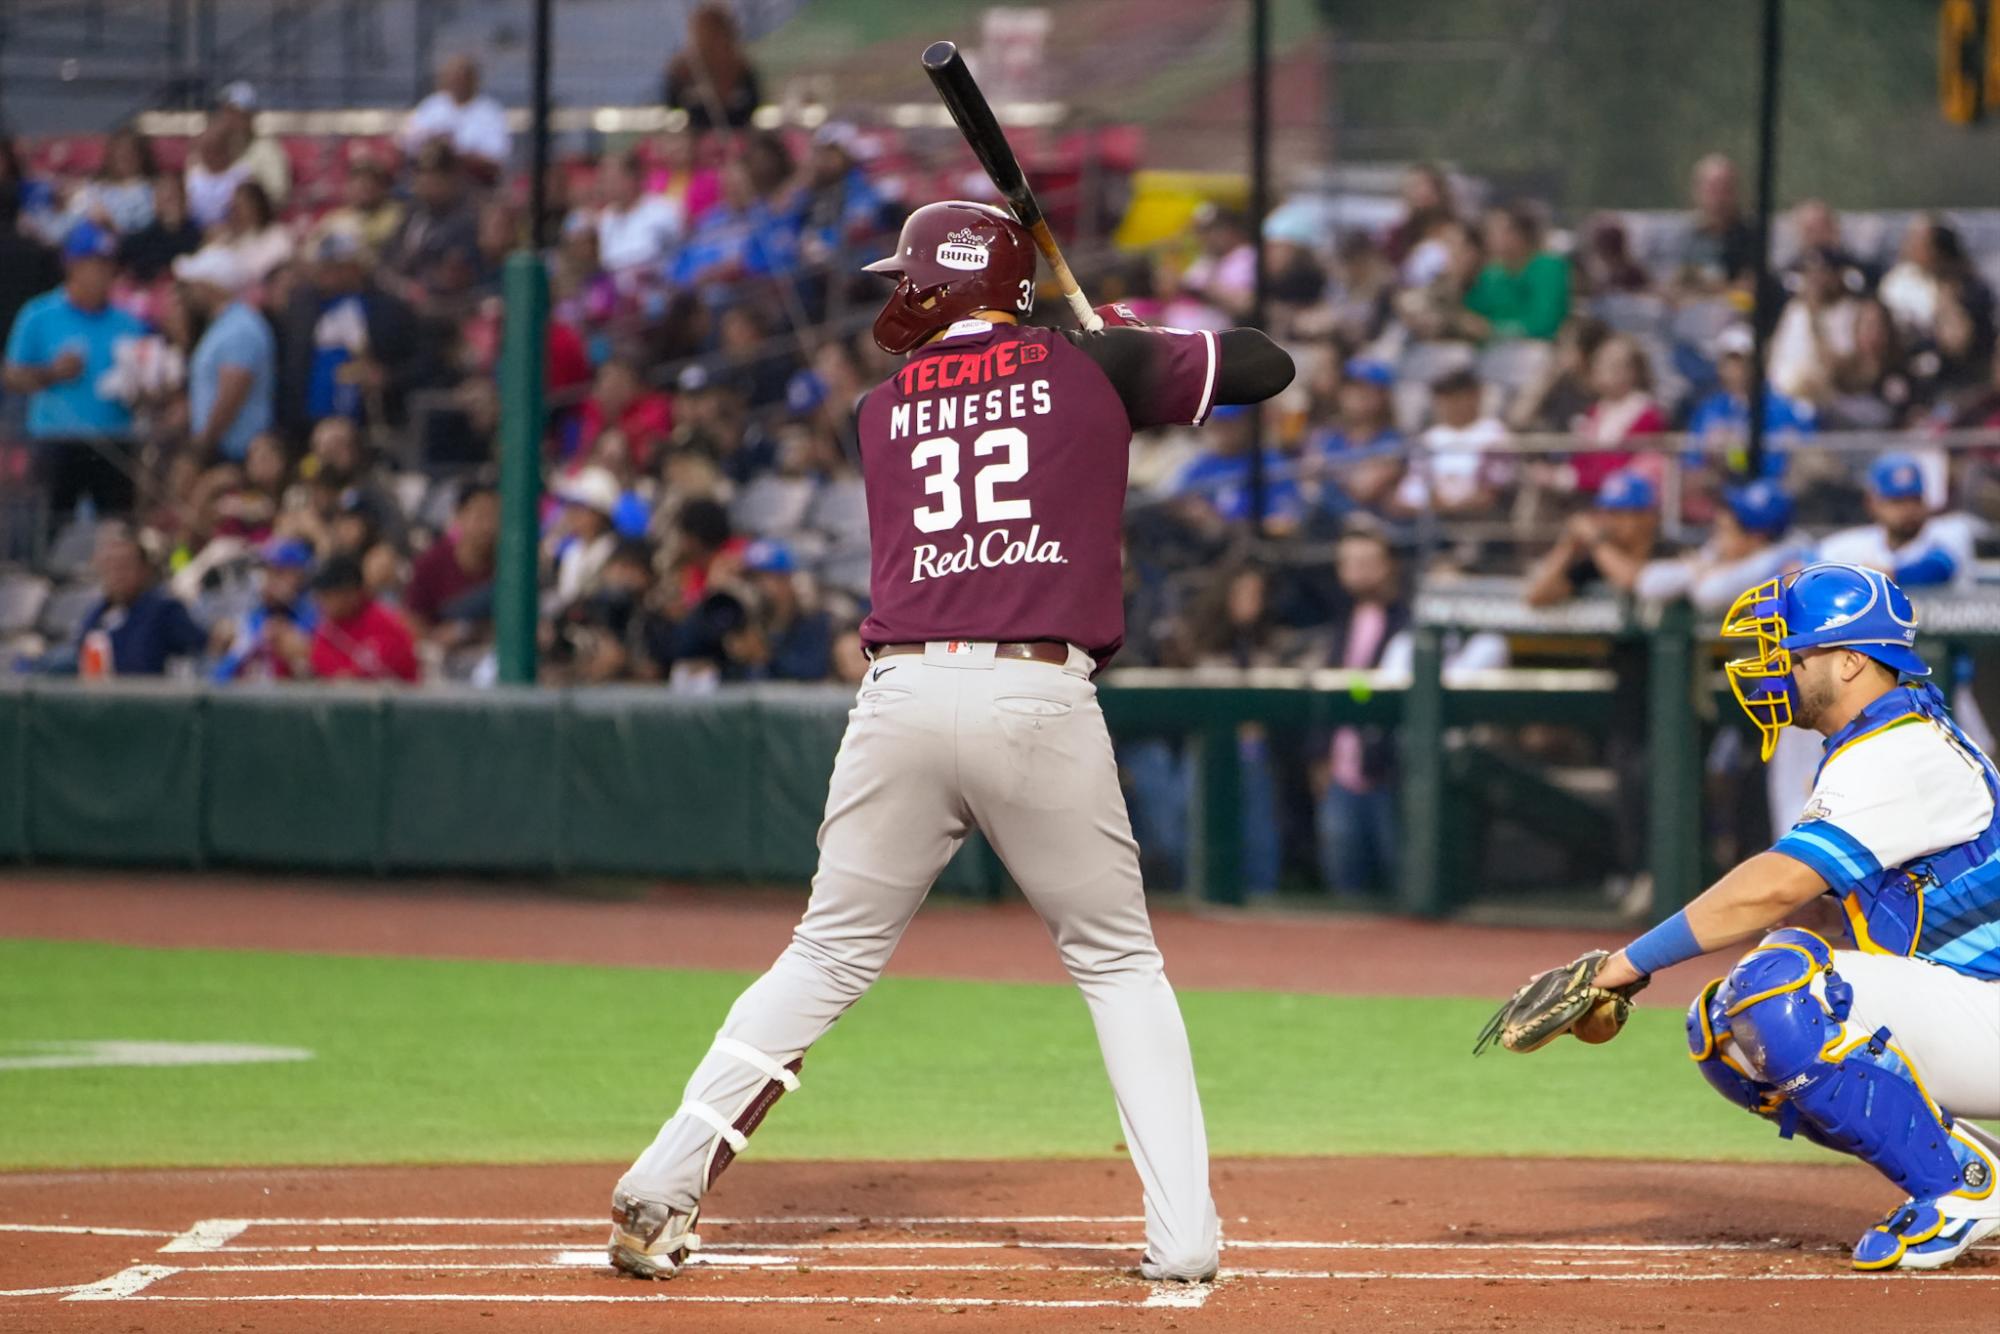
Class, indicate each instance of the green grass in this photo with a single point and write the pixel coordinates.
(443, 1061)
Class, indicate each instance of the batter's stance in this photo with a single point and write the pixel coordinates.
(995, 464)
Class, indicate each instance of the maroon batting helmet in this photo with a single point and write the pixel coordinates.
(953, 258)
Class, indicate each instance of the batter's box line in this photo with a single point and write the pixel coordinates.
(752, 1248)
(129, 1285)
(717, 1220)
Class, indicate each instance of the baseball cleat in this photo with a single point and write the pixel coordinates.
(649, 1240)
(1149, 1268)
(1919, 1236)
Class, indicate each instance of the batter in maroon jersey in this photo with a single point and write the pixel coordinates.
(995, 464)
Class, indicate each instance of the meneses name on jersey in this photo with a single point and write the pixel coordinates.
(965, 411)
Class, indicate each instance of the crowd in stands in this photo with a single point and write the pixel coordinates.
(287, 414)
(1478, 391)
(261, 422)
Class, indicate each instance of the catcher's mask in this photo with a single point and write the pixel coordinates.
(1828, 605)
(1762, 682)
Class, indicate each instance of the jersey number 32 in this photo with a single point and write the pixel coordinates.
(949, 511)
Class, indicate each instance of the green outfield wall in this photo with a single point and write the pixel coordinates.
(616, 780)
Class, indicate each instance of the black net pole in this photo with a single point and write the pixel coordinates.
(1260, 203)
(538, 152)
(1768, 294)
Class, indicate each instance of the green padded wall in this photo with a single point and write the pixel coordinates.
(798, 734)
(472, 780)
(296, 779)
(114, 775)
(13, 772)
(658, 784)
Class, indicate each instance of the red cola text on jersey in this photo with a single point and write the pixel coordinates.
(995, 465)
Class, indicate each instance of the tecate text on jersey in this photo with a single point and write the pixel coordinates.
(997, 547)
(962, 411)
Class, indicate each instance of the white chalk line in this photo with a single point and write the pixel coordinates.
(812, 1220)
(661, 1298)
(1165, 1295)
(125, 1285)
(211, 1237)
(1056, 1244)
(210, 1234)
(79, 1230)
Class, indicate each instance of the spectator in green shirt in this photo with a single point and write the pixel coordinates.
(1523, 292)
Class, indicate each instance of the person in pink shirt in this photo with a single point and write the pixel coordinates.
(1625, 410)
(358, 639)
(1356, 816)
(1225, 273)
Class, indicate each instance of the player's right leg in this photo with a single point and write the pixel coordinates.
(1043, 785)
(893, 819)
(1792, 1039)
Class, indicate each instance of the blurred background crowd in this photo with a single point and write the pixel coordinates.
(250, 405)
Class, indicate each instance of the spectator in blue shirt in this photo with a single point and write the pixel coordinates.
(274, 639)
(787, 640)
(1359, 457)
(146, 626)
(835, 204)
(1721, 421)
(232, 377)
(741, 237)
(61, 344)
(1219, 477)
(347, 347)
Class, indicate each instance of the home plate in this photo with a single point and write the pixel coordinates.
(597, 1260)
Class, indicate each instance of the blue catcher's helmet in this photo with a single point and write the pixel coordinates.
(1821, 606)
(1760, 507)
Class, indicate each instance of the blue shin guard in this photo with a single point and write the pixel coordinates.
(1799, 1063)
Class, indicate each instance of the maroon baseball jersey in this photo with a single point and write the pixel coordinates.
(995, 464)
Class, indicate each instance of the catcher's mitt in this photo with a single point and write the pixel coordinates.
(1560, 1001)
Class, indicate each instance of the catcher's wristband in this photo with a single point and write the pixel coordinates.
(1667, 944)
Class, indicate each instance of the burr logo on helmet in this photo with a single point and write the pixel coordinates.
(964, 250)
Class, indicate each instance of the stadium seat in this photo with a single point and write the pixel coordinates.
(1513, 364)
(22, 597)
(63, 611)
(1700, 323)
(1426, 362)
(1630, 312)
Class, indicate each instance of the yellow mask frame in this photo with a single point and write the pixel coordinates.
(1761, 682)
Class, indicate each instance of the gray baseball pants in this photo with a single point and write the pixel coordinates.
(937, 745)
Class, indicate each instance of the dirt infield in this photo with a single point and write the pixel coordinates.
(1358, 1244)
(680, 927)
(1348, 1244)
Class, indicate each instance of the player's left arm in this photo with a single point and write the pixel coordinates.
(1751, 899)
(1168, 377)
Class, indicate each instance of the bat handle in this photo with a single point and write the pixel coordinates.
(1085, 316)
(1072, 290)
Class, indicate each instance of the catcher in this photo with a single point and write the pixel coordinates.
(1876, 1048)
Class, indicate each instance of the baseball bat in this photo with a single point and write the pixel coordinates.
(960, 91)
